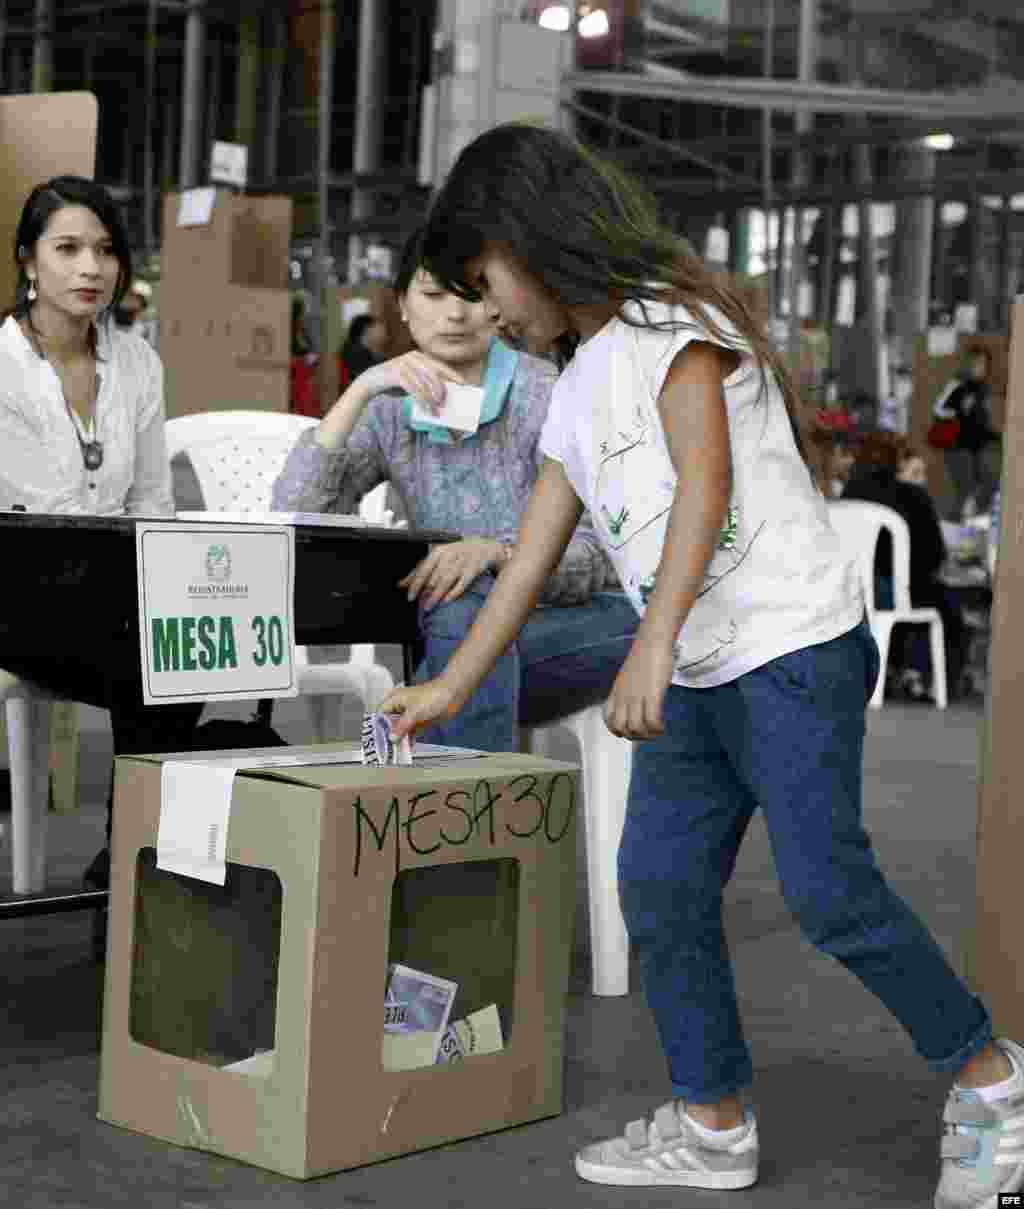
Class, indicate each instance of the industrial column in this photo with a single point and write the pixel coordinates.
(277, 53)
(912, 247)
(192, 95)
(42, 47)
(370, 97)
(325, 276)
(149, 133)
(807, 64)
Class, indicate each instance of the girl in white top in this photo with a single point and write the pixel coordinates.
(82, 431)
(747, 681)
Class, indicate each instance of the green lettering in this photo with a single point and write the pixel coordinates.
(259, 656)
(227, 656)
(188, 644)
(166, 656)
(207, 643)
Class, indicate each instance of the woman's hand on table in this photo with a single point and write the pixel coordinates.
(450, 568)
(413, 707)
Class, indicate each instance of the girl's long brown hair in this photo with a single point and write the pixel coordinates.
(588, 232)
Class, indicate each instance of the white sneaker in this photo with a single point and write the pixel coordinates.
(668, 1150)
(983, 1149)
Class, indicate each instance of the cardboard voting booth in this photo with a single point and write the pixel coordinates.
(996, 956)
(246, 1019)
(225, 308)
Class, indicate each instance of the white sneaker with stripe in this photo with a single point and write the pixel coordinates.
(668, 1150)
(983, 1147)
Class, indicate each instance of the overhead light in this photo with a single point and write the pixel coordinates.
(952, 213)
(594, 24)
(555, 16)
(939, 142)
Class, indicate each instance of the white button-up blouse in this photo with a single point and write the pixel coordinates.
(41, 460)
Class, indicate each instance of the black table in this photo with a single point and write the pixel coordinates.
(69, 577)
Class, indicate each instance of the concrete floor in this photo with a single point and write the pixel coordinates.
(849, 1115)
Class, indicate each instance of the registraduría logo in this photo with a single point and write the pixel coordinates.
(217, 570)
(218, 563)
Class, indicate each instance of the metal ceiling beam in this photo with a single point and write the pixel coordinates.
(757, 93)
(674, 150)
(834, 138)
(961, 187)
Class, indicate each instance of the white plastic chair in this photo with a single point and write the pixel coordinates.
(28, 742)
(859, 524)
(606, 761)
(236, 456)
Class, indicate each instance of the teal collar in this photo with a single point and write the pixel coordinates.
(499, 371)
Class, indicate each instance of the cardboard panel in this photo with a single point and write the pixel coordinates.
(997, 959)
(41, 135)
(225, 309)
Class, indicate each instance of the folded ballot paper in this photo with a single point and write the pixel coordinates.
(460, 410)
(379, 745)
(416, 1009)
(416, 1028)
(479, 1033)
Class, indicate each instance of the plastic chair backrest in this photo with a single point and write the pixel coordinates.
(374, 505)
(236, 455)
(859, 524)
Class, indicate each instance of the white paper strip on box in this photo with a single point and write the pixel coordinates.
(195, 806)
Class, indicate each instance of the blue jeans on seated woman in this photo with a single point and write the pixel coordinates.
(565, 658)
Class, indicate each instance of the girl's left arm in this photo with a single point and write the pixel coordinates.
(693, 413)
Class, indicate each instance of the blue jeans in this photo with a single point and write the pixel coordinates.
(787, 737)
(565, 658)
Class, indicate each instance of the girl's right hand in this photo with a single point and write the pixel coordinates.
(416, 706)
(415, 374)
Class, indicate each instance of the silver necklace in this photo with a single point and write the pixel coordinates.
(92, 449)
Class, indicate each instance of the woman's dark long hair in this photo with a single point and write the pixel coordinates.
(42, 203)
(586, 231)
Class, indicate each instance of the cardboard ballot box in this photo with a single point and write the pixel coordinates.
(225, 307)
(464, 869)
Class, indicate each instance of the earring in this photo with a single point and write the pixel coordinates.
(31, 289)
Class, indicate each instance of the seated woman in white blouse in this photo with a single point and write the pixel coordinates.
(82, 430)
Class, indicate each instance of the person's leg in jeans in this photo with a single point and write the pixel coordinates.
(686, 816)
(960, 468)
(797, 727)
(563, 659)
